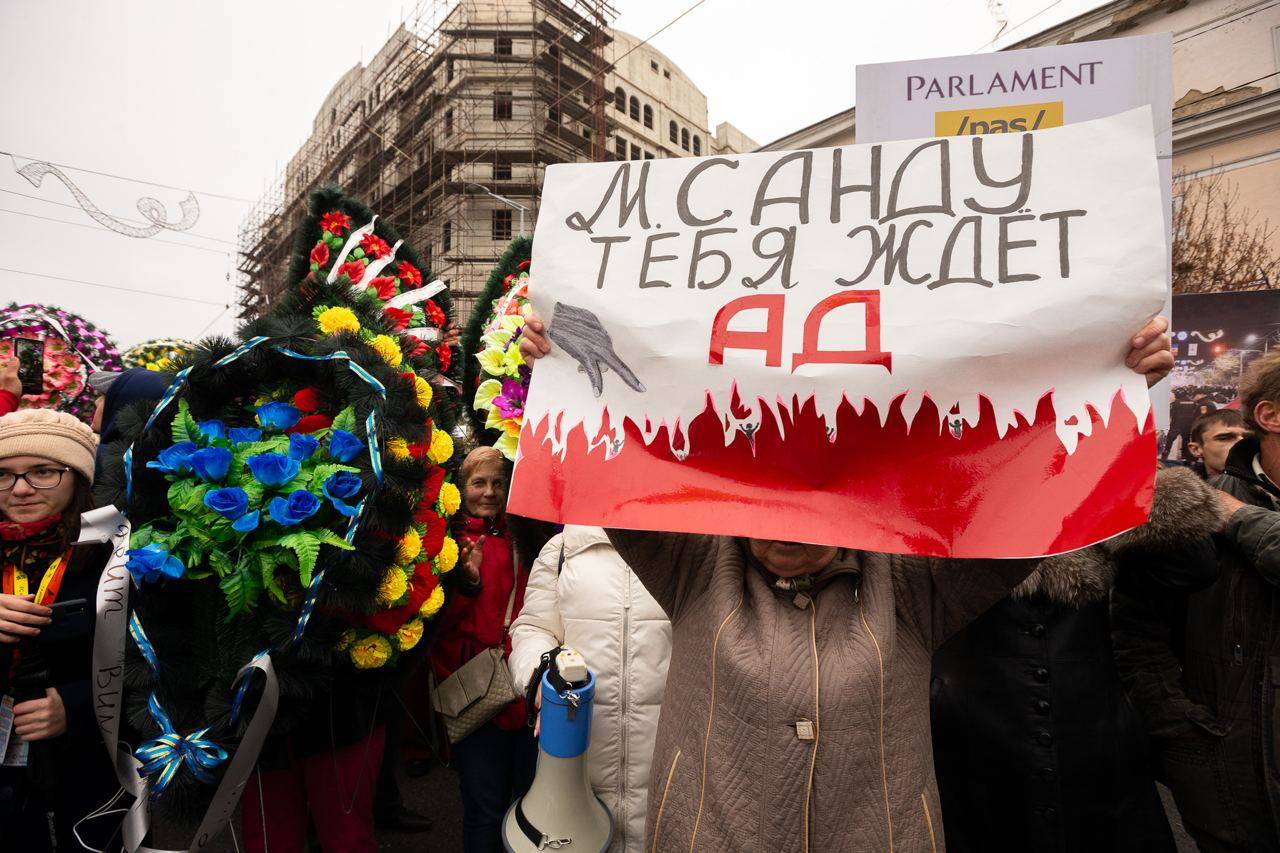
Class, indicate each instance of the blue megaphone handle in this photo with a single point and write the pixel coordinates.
(566, 734)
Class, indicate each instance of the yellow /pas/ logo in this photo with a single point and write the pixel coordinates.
(1012, 119)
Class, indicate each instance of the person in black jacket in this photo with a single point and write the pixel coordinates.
(1201, 665)
(1036, 747)
(57, 770)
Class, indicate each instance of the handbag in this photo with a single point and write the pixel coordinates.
(481, 687)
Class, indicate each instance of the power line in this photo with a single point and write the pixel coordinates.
(209, 325)
(14, 157)
(109, 231)
(1016, 26)
(114, 287)
(120, 218)
(1235, 88)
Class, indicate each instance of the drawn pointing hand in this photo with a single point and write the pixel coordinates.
(580, 334)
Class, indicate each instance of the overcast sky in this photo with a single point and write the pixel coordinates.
(215, 97)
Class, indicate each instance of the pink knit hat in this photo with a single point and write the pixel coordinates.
(49, 434)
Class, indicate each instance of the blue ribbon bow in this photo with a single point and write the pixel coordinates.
(164, 756)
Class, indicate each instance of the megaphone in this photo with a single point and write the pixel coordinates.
(561, 812)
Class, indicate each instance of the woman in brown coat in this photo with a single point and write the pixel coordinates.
(797, 711)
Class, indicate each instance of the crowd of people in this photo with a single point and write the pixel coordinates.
(751, 694)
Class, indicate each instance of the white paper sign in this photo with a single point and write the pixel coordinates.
(997, 269)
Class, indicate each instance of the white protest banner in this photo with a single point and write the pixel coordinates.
(1029, 89)
(769, 344)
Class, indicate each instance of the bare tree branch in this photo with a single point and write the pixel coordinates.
(1217, 244)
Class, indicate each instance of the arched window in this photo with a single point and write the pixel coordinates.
(635, 108)
(697, 146)
(619, 100)
(684, 138)
(648, 116)
(673, 132)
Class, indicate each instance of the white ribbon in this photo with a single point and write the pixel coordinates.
(109, 525)
(350, 246)
(413, 297)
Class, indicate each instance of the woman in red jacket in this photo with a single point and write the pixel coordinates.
(496, 762)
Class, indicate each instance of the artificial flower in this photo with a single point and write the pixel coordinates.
(247, 522)
(175, 459)
(432, 605)
(397, 319)
(337, 319)
(441, 447)
(444, 356)
(374, 246)
(344, 446)
(277, 416)
(430, 491)
(213, 429)
(335, 222)
(510, 403)
(211, 463)
(409, 275)
(448, 556)
(386, 346)
(152, 562)
(507, 444)
(408, 548)
(371, 652)
(409, 634)
(394, 585)
(244, 435)
(434, 315)
(298, 507)
(384, 287)
(302, 446)
(307, 400)
(273, 469)
(398, 448)
(485, 392)
(422, 388)
(311, 423)
(433, 533)
(354, 270)
(340, 486)
(450, 499)
(231, 502)
(320, 255)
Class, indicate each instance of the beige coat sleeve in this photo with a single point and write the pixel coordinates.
(674, 567)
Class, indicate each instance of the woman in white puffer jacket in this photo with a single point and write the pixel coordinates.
(594, 604)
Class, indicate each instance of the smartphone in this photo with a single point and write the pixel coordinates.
(30, 355)
(71, 618)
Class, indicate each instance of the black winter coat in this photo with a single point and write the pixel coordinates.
(1201, 668)
(69, 775)
(1036, 746)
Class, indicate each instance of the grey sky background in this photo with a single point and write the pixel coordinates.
(215, 97)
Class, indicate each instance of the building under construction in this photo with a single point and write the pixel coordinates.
(446, 132)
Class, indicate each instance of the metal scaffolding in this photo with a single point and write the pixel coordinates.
(450, 124)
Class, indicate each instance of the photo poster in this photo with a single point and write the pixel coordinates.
(913, 347)
(1216, 338)
(1029, 89)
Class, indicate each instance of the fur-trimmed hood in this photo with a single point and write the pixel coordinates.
(1183, 510)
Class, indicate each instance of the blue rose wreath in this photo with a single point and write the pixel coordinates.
(270, 494)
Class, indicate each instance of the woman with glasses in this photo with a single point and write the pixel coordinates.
(55, 770)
